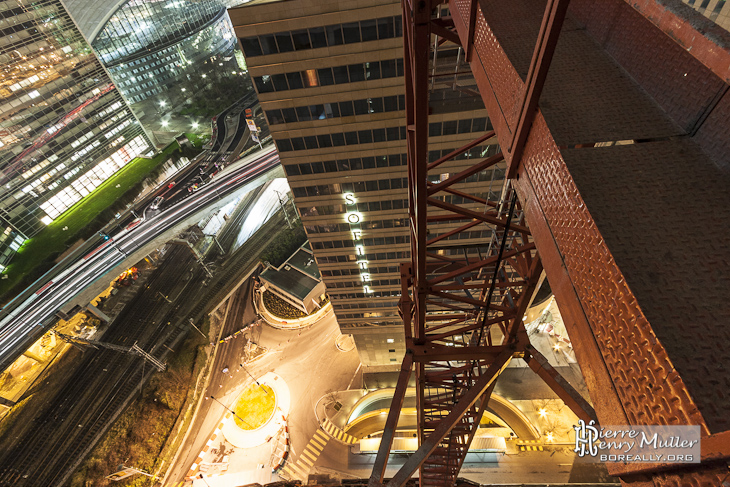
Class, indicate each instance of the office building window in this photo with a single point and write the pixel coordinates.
(338, 109)
(369, 136)
(316, 37)
(350, 73)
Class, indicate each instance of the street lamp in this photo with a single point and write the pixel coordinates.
(232, 412)
(254, 379)
(283, 207)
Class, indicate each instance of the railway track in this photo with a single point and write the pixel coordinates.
(68, 426)
(245, 255)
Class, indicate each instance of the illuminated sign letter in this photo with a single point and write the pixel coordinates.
(363, 264)
(349, 199)
(356, 234)
(360, 250)
(353, 218)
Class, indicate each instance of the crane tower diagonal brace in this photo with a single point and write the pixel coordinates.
(462, 305)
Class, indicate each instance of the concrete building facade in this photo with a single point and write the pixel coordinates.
(330, 80)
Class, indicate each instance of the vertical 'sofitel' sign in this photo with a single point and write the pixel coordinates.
(354, 219)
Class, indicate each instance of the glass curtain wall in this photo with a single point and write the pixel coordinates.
(61, 118)
(174, 61)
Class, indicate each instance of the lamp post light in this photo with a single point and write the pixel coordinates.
(283, 207)
(232, 412)
(254, 379)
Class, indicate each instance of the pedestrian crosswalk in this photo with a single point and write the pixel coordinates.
(337, 433)
(300, 469)
(530, 445)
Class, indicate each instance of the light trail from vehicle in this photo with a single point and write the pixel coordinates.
(23, 323)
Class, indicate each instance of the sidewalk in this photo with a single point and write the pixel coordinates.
(288, 324)
(242, 440)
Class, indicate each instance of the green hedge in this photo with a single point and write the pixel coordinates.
(82, 220)
(280, 308)
(286, 243)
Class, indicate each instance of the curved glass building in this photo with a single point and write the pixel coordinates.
(173, 60)
(64, 126)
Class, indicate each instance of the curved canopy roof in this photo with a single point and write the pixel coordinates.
(91, 15)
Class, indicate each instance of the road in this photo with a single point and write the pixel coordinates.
(307, 360)
(22, 323)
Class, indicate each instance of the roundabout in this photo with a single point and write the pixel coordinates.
(254, 407)
(259, 416)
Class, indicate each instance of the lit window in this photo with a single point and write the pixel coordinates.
(390, 340)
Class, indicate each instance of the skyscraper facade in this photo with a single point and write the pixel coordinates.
(64, 126)
(331, 82)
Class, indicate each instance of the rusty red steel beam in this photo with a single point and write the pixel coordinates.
(450, 307)
(472, 197)
(458, 213)
(415, 461)
(456, 287)
(547, 40)
(441, 370)
(460, 176)
(482, 407)
(444, 258)
(441, 326)
(441, 317)
(472, 301)
(420, 412)
(471, 327)
(471, 28)
(416, 44)
(386, 442)
(523, 302)
(461, 150)
(440, 27)
(435, 353)
(572, 398)
(453, 232)
(482, 263)
(715, 446)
